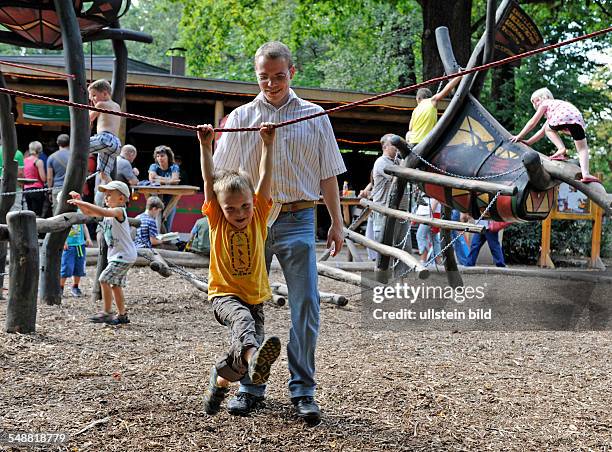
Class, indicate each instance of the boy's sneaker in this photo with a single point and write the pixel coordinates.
(244, 403)
(119, 319)
(76, 292)
(262, 360)
(214, 394)
(102, 317)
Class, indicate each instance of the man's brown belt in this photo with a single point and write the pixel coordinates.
(297, 205)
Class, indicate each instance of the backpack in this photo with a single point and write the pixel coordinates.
(199, 241)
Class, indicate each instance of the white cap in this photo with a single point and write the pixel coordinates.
(116, 185)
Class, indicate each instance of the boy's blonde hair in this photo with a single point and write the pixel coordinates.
(423, 93)
(227, 181)
(155, 203)
(101, 86)
(542, 93)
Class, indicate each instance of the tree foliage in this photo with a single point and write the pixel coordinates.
(366, 45)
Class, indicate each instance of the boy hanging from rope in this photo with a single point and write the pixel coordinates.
(106, 141)
(237, 279)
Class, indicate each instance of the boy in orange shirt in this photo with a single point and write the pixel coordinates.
(237, 279)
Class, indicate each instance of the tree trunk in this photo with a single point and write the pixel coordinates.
(21, 307)
(76, 171)
(454, 14)
(9, 179)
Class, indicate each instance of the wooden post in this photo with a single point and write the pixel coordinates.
(219, 112)
(23, 289)
(9, 179)
(595, 260)
(545, 260)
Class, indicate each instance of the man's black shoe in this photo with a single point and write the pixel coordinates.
(244, 404)
(307, 409)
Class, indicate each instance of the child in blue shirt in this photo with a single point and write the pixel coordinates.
(73, 257)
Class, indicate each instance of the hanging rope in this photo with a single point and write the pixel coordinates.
(348, 106)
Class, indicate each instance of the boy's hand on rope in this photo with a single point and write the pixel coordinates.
(267, 132)
(74, 195)
(205, 134)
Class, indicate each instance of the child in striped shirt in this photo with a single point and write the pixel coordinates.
(146, 234)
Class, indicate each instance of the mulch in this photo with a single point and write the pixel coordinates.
(139, 387)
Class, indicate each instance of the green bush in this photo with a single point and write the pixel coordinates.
(568, 238)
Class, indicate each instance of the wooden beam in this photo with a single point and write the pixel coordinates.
(344, 276)
(444, 224)
(408, 259)
(448, 181)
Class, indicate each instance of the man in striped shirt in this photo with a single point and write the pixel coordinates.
(307, 161)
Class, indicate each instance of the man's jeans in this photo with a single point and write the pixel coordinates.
(492, 239)
(292, 240)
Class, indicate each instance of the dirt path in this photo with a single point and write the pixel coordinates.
(379, 390)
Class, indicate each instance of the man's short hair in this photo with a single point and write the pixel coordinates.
(63, 141)
(154, 203)
(229, 181)
(101, 86)
(423, 93)
(386, 138)
(35, 147)
(128, 149)
(273, 50)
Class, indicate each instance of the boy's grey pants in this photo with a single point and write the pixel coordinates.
(246, 324)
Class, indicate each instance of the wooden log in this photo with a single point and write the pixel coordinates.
(566, 172)
(156, 262)
(23, 289)
(448, 181)
(181, 258)
(65, 220)
(443, 224)
(409, 260)
(278, 299)
(327, 297)
(344, 276)
(354, 252)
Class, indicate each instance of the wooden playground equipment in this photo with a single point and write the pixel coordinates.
(467, 162)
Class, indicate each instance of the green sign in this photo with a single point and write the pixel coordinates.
(43, 112)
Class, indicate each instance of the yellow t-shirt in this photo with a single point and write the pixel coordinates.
(237, 257)
(423, 119)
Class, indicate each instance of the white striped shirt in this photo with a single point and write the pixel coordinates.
(305, 153)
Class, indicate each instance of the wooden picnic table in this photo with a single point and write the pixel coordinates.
(176, 191)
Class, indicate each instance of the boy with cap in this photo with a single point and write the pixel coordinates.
(121, 248)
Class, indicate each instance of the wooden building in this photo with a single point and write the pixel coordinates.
(153, 91)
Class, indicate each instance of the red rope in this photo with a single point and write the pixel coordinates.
(23, 66)
(348, 106)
